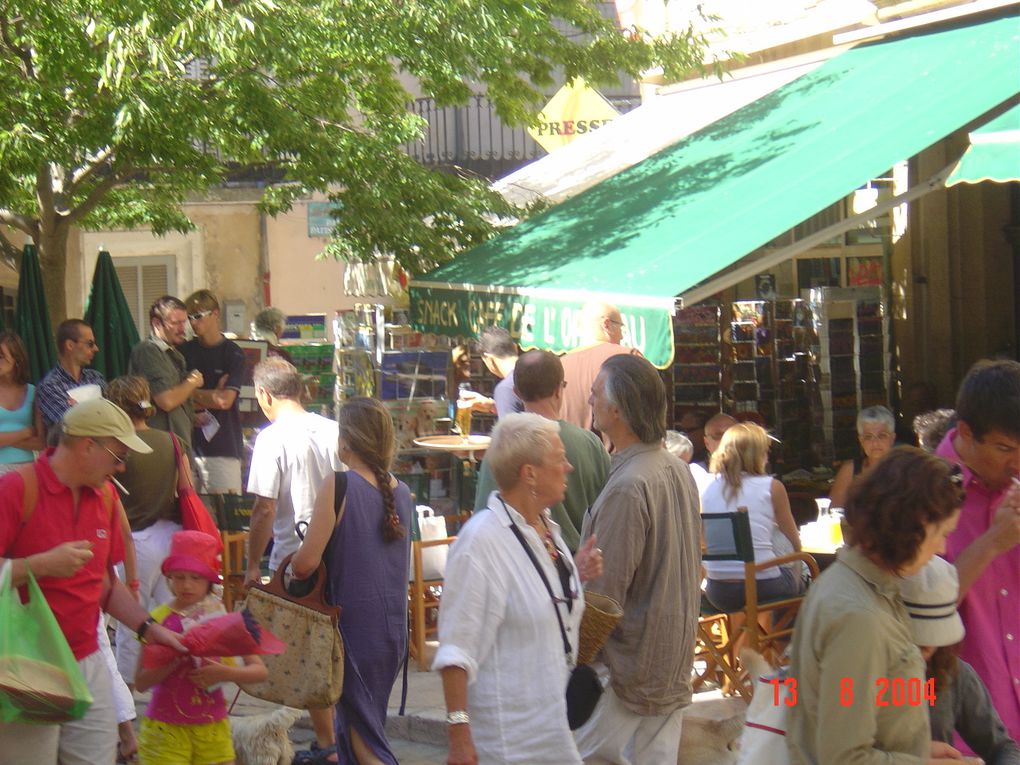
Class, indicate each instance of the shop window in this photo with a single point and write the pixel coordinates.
(143, 280)
(864, 272)
(813, 273)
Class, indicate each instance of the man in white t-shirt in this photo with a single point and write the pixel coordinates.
(292, 457)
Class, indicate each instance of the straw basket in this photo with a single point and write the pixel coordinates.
(601, 614)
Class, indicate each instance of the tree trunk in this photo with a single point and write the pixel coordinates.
(52, 246)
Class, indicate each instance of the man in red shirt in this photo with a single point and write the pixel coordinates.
(68, 536)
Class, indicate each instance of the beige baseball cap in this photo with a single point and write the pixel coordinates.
(101, 418)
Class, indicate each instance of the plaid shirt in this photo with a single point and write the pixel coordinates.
(51, 393)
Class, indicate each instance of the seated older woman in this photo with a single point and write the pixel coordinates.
(853, 642)
(876, 431)
(501, 652)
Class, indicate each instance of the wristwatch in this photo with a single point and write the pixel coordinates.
(459, 717)
(143, 628)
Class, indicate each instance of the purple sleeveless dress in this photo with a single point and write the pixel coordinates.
(368, 579)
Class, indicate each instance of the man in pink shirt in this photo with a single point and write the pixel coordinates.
(601, 337)
(986, 544)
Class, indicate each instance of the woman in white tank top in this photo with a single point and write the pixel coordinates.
(741, 481)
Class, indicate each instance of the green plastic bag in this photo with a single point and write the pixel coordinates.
(40, 681)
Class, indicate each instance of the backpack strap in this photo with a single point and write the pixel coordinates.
(30, 491)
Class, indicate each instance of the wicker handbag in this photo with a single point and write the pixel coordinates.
(601, 615)
(310, 673)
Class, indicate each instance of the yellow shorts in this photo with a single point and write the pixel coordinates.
(161, 743)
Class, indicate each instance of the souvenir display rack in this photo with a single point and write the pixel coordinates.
(769, 373)
(853, 362)
(694, 377)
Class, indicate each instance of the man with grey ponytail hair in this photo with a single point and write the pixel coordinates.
(647, 524)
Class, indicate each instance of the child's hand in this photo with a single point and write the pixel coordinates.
(210, 673)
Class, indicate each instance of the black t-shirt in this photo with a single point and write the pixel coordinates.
(215, 362)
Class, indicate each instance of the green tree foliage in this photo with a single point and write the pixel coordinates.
(103, 122)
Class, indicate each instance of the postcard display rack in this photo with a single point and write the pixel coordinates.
(379, 354)
(695, 375)
(854, 363)
(769, 371)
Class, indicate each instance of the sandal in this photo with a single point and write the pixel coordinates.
(315, 755)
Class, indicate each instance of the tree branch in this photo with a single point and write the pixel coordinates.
(93, 163)
(22, 53)
(95, 196)
(8, 252)
(20, 222)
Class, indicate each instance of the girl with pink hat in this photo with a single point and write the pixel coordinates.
(186, 720)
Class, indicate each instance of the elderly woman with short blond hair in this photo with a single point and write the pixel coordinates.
(501, 650)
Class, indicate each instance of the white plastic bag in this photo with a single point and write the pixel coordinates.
(433, 559)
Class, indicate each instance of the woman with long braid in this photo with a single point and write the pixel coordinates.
(364, 541)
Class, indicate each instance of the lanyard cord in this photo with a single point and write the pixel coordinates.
(531, 556)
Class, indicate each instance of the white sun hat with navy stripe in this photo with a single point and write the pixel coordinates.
(930, 597)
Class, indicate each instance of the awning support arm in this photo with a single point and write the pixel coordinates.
(737, 275)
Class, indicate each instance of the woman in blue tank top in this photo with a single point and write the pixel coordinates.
(21, 430)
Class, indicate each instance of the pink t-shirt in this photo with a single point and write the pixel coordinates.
(580, 368)
(177, 700)
(991, 610)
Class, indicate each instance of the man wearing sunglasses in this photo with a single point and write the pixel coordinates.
(59, 521)
(76, 347)
(216, 438)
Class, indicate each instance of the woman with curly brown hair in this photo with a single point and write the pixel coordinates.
(363, 539)
(853, 640)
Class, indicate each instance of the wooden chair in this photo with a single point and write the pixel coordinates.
(719, 634)
(421, 599)
(234, 544)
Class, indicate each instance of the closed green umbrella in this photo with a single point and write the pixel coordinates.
(110, 318)
(31, 319)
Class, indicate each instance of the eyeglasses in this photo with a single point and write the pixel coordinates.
(89, 343)
(614, 322)
(120, 460)
(870, 437)
(200, 315)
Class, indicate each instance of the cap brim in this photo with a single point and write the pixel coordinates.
(135, 444)
(943, 631)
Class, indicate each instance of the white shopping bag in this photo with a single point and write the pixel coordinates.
(433, 559)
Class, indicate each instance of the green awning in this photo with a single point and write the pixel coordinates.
(643, 236)
(993, 154)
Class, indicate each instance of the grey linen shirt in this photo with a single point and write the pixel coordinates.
(163, 367)
(964, 706)
(646, 521)
(853, 632)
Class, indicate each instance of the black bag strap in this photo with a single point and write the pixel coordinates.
(339, 495)
(531, 556)
(339, 491)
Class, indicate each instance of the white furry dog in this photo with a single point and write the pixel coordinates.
(264, 739)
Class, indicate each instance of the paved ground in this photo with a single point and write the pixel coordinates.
(418, 737)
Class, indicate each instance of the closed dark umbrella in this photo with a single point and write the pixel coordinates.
(110, 318)
(31, 319)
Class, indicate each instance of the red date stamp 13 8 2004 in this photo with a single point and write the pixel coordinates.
(888, 692)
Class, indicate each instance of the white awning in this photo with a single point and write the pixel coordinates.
(679, 111)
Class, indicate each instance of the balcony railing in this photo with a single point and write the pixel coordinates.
(473, 137)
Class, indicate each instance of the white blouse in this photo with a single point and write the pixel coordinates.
(496, 621)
